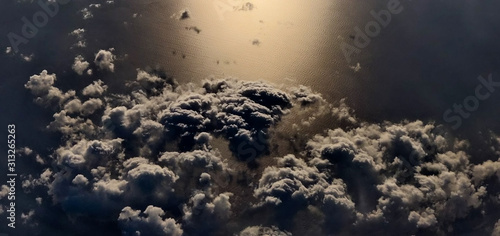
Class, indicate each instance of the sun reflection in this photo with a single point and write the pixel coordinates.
(270, 40)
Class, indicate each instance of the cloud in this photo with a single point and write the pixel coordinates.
(356, 68)
(27, 58)
(259, 230)
(90, 106)
(162, 146)
(181, 15)
(204, 214)
(41, 84)
(86, 13)
(414, 172)
(424, 220)
(343, 113)
(292, 185)
(247, 6)
(96, 89)
(104, 60)
(79, 34)
(496, 230)
(147, 80)
(42, 87)
(80, 180)
(149, 222)
(73, 106)
(485, 170)
(80, 65)
(4, 192)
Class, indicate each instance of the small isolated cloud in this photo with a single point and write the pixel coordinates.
(27, 58)
(80, 65)
(104, 60)
(247, 6)
(356, 68)
(8, 50)
(86, 14)
(79, 34)
(4, 191)
(193, 28)
(181, 15)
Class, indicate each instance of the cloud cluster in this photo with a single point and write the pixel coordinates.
(149, 222)
(41, 86)
(152, 147)
(407, 174)
(145, 161)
